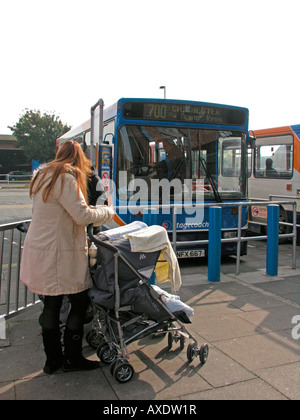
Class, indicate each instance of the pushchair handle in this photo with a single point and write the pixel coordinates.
(90, 231)
(99, 240)
(22, 227)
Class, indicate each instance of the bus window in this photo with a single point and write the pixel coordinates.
(232, 165)
(249, 161)
(231, 157)
(149, 152)
(274, 157)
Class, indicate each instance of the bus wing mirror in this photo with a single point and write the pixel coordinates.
(109, 138)
(251, 142)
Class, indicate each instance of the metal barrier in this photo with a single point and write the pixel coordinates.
(295, 198)
(150, 217)
(281, 197)
(14, 179)
(10, 249)
(14, 296)
(214, 240)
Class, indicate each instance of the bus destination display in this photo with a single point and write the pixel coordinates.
(204, 114)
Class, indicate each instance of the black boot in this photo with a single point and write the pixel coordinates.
(53, 350)
(73, 358)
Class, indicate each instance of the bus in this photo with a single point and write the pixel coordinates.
(161, 152)
(274, 169)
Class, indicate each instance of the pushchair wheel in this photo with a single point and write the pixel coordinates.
(123, 372)
(113, 365)
(94, 339)
(203, 353)
(193, 350)
(176, 337)
(106, 354)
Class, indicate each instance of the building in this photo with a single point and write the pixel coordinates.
(12, 158)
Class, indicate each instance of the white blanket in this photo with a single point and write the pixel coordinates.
(155, 238)
(117, 233)
(173, 302)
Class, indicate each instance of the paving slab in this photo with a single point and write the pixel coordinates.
(283, 378)
(255, 389)
(272, 319)
(261, 351)
(59, 386)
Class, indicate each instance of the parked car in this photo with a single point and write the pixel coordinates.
(19, 175)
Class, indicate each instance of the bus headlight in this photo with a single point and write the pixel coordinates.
(229, 235)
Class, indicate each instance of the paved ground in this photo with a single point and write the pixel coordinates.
(247, 321)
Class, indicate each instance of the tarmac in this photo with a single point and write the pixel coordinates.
(251, 323)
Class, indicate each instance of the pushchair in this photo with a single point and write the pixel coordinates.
(126, 307)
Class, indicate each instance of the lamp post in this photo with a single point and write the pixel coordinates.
(165, 91)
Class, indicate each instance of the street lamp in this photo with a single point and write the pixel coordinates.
(165, 91)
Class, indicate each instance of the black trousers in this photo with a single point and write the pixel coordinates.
(75, 321)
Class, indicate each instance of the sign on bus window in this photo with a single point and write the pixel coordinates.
(105, 165)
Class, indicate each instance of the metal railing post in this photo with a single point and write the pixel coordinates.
(238, 245)
(295, 234)
(9, 269)
(1, 258)
(174, 235)
(272, 240)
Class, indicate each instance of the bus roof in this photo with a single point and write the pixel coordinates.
(277, 130)
(109, 113)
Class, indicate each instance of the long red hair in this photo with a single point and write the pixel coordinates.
(69, 158)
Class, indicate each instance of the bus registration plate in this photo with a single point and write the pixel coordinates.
(193, 253)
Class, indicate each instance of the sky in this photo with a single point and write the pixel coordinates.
(61, 56)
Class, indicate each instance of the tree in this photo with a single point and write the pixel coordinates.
(37, 134)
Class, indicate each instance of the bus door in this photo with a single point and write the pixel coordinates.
(96, 129)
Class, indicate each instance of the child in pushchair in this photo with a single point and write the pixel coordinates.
(126, 307)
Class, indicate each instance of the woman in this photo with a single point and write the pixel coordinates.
(55, 255)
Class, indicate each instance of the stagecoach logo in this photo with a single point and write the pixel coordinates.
(167, 224)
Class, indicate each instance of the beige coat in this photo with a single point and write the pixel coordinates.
(55, 255)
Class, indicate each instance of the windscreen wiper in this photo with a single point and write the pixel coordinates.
(209, 177)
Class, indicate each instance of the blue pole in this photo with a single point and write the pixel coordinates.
(272, 239)
(214, 244)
